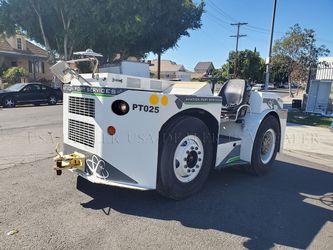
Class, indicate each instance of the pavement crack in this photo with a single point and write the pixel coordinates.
(24, 163)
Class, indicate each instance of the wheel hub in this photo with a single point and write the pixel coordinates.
(192, 159)
(268, 146)
(9, 102)
(52, 100)
(188, 158)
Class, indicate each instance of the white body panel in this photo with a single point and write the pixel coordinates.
(131, 155)
(133, 150)
(130, 68)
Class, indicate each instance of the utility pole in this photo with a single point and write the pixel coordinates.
(270, 47)
(237, 38)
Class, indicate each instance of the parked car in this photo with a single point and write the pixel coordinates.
(258, 86)
(286, 85)
(29, 93)
(295, 85)
(292, 85)
(271, 86)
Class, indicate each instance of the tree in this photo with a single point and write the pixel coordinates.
(250, 66)
(127, 27)
(143, 26)
(56, 24)
(295, 52)
(14, 74)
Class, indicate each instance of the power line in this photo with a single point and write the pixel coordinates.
(219, 22)
(222, 12)
(253, 28)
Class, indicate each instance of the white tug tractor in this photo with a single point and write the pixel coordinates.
(147, 134)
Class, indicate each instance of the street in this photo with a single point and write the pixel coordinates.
(291, 207)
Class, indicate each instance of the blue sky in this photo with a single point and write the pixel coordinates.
(212, 41)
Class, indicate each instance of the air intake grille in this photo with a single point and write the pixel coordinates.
(81, 106)
(81, 132)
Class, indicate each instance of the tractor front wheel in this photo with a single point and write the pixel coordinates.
(185, 160)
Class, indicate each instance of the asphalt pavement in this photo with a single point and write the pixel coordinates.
(291, 207)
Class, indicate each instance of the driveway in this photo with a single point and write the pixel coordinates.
(291, 207)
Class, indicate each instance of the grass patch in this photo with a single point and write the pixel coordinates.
(299, 117)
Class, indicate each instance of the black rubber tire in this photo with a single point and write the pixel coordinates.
(167, 183)
(257, 167)
(49, 100)
(7, 98)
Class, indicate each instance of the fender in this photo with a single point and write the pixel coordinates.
(252, 123)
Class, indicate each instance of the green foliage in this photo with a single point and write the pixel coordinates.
(295, 116)
(250, 66)
(294, 53)
(128, 27)
(141, 26)
(14, 74)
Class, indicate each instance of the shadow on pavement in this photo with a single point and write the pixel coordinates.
(268, 210)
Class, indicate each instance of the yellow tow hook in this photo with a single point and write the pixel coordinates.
(70, 161)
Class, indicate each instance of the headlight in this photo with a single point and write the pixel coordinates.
(120, 107)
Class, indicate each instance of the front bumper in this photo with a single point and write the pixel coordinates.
(91, 168)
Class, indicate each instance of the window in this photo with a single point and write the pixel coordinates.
(36, 67)
(36, 87)
(14, 64)
(19, 43)
(30, 66)
(27, 89)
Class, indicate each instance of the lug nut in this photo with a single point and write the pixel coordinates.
(185, 166)
(199, 153)
(192, 147)
(193, 170)
(189, 170)
(197, 166)
(196, 148)
(199, 159)
(187, 152)
(185, 159)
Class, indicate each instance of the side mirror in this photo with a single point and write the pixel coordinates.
(63, 72)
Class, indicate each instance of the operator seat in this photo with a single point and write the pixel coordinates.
(235, 95)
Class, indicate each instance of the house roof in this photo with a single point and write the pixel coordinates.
(203, 66)
(35, 50)
(166, 65)
(32, 50)
(197, 75)
(4, 45)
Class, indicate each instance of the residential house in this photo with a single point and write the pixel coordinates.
(203, 69)
(18, 51)
(170, 70)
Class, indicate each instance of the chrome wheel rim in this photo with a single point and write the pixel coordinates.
(53, 100)
(188, 158)
(268, 146)
(9, 102)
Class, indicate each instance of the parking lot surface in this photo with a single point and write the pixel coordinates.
(291, 207)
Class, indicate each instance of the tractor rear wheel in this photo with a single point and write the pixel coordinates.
(265, 145)
(186, 155)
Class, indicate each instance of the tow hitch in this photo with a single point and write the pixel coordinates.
(70, 161)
